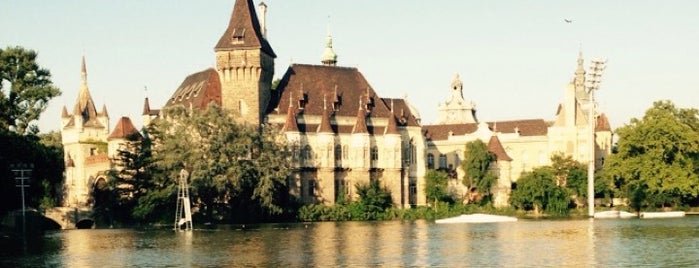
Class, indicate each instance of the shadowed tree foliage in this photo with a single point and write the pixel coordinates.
(237, 172)
(30, 89)
(657, 159)
(47, 172)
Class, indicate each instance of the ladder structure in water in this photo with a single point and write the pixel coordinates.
(183, 215)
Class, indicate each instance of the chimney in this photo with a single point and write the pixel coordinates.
(263, 19)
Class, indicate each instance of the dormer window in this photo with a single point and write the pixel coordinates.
(238, 36)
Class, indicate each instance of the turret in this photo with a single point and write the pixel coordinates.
(245, 64)
(392, 143)
(329, 56)
(360, 141)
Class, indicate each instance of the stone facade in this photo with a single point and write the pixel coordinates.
(527, 144)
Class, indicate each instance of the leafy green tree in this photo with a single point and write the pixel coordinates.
(237, 172)
(476, 165)
(537, 190)
(29, 93)
(132, 178)
(571, 175)
(437, 187)
(373, 200)
(658, 156)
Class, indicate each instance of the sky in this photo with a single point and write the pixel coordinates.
(514, 57)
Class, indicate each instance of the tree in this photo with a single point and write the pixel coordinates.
(476, 165)
(373, 200)
(437, 186)
(29, 93)
(570, 174)
(537, 190)
(236, 171)
(658, 156)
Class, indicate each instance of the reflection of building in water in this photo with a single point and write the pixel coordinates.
(519, 145)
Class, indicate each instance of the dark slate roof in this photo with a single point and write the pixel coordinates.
(244, 24)
(602, 123)
(496, 148)
(198, 90)
(402, 112)
(343, 88)
(527, 127)
(123, 129)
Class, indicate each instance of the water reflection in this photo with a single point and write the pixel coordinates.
(563, 243)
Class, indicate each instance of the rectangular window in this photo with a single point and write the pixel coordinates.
(442, 161)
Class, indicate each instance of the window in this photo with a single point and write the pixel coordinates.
(442, 161)
(307, 152)
(430, 161)
(93, 151)
(311, 188)
(345, 152)
(374, 153)
(457, 159)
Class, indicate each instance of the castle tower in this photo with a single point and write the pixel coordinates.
(245, 64)
(84, 137)
(457, 110)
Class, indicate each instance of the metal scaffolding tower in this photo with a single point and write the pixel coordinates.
(183, 215)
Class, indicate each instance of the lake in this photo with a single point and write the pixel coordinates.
(526, 243)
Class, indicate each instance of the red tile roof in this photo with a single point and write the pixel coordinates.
(290, 124)
(198, 90)
(244, 30)
(528, 127)
(123, 129)
(360, 125)
(496, 148)
(402, 112)
(602, 123)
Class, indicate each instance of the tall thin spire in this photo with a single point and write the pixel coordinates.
(83, 71)
(580, 72)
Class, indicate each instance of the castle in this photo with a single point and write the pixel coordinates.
(340, 130)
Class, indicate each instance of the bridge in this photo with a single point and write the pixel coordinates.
(71, 217)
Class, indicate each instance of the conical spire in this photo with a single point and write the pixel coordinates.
(104, 111)
(146, 107)
(325, 126)
(84, 105)
(290, 125)
(495, 147)
(391, 127)
(64, 113)
(244, 30)
(360, 125)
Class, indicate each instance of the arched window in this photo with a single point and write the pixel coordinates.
(307, 152)
(430, 161)
(345, 151)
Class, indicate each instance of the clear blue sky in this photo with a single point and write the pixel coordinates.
(514, 57)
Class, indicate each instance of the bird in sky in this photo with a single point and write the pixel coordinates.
(568, 20)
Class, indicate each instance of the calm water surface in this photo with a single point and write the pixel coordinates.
(527, 243)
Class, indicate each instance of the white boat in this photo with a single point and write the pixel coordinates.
(613, 214)
(668, 214)
(477, 218)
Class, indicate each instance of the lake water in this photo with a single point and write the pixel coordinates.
(526, 243)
